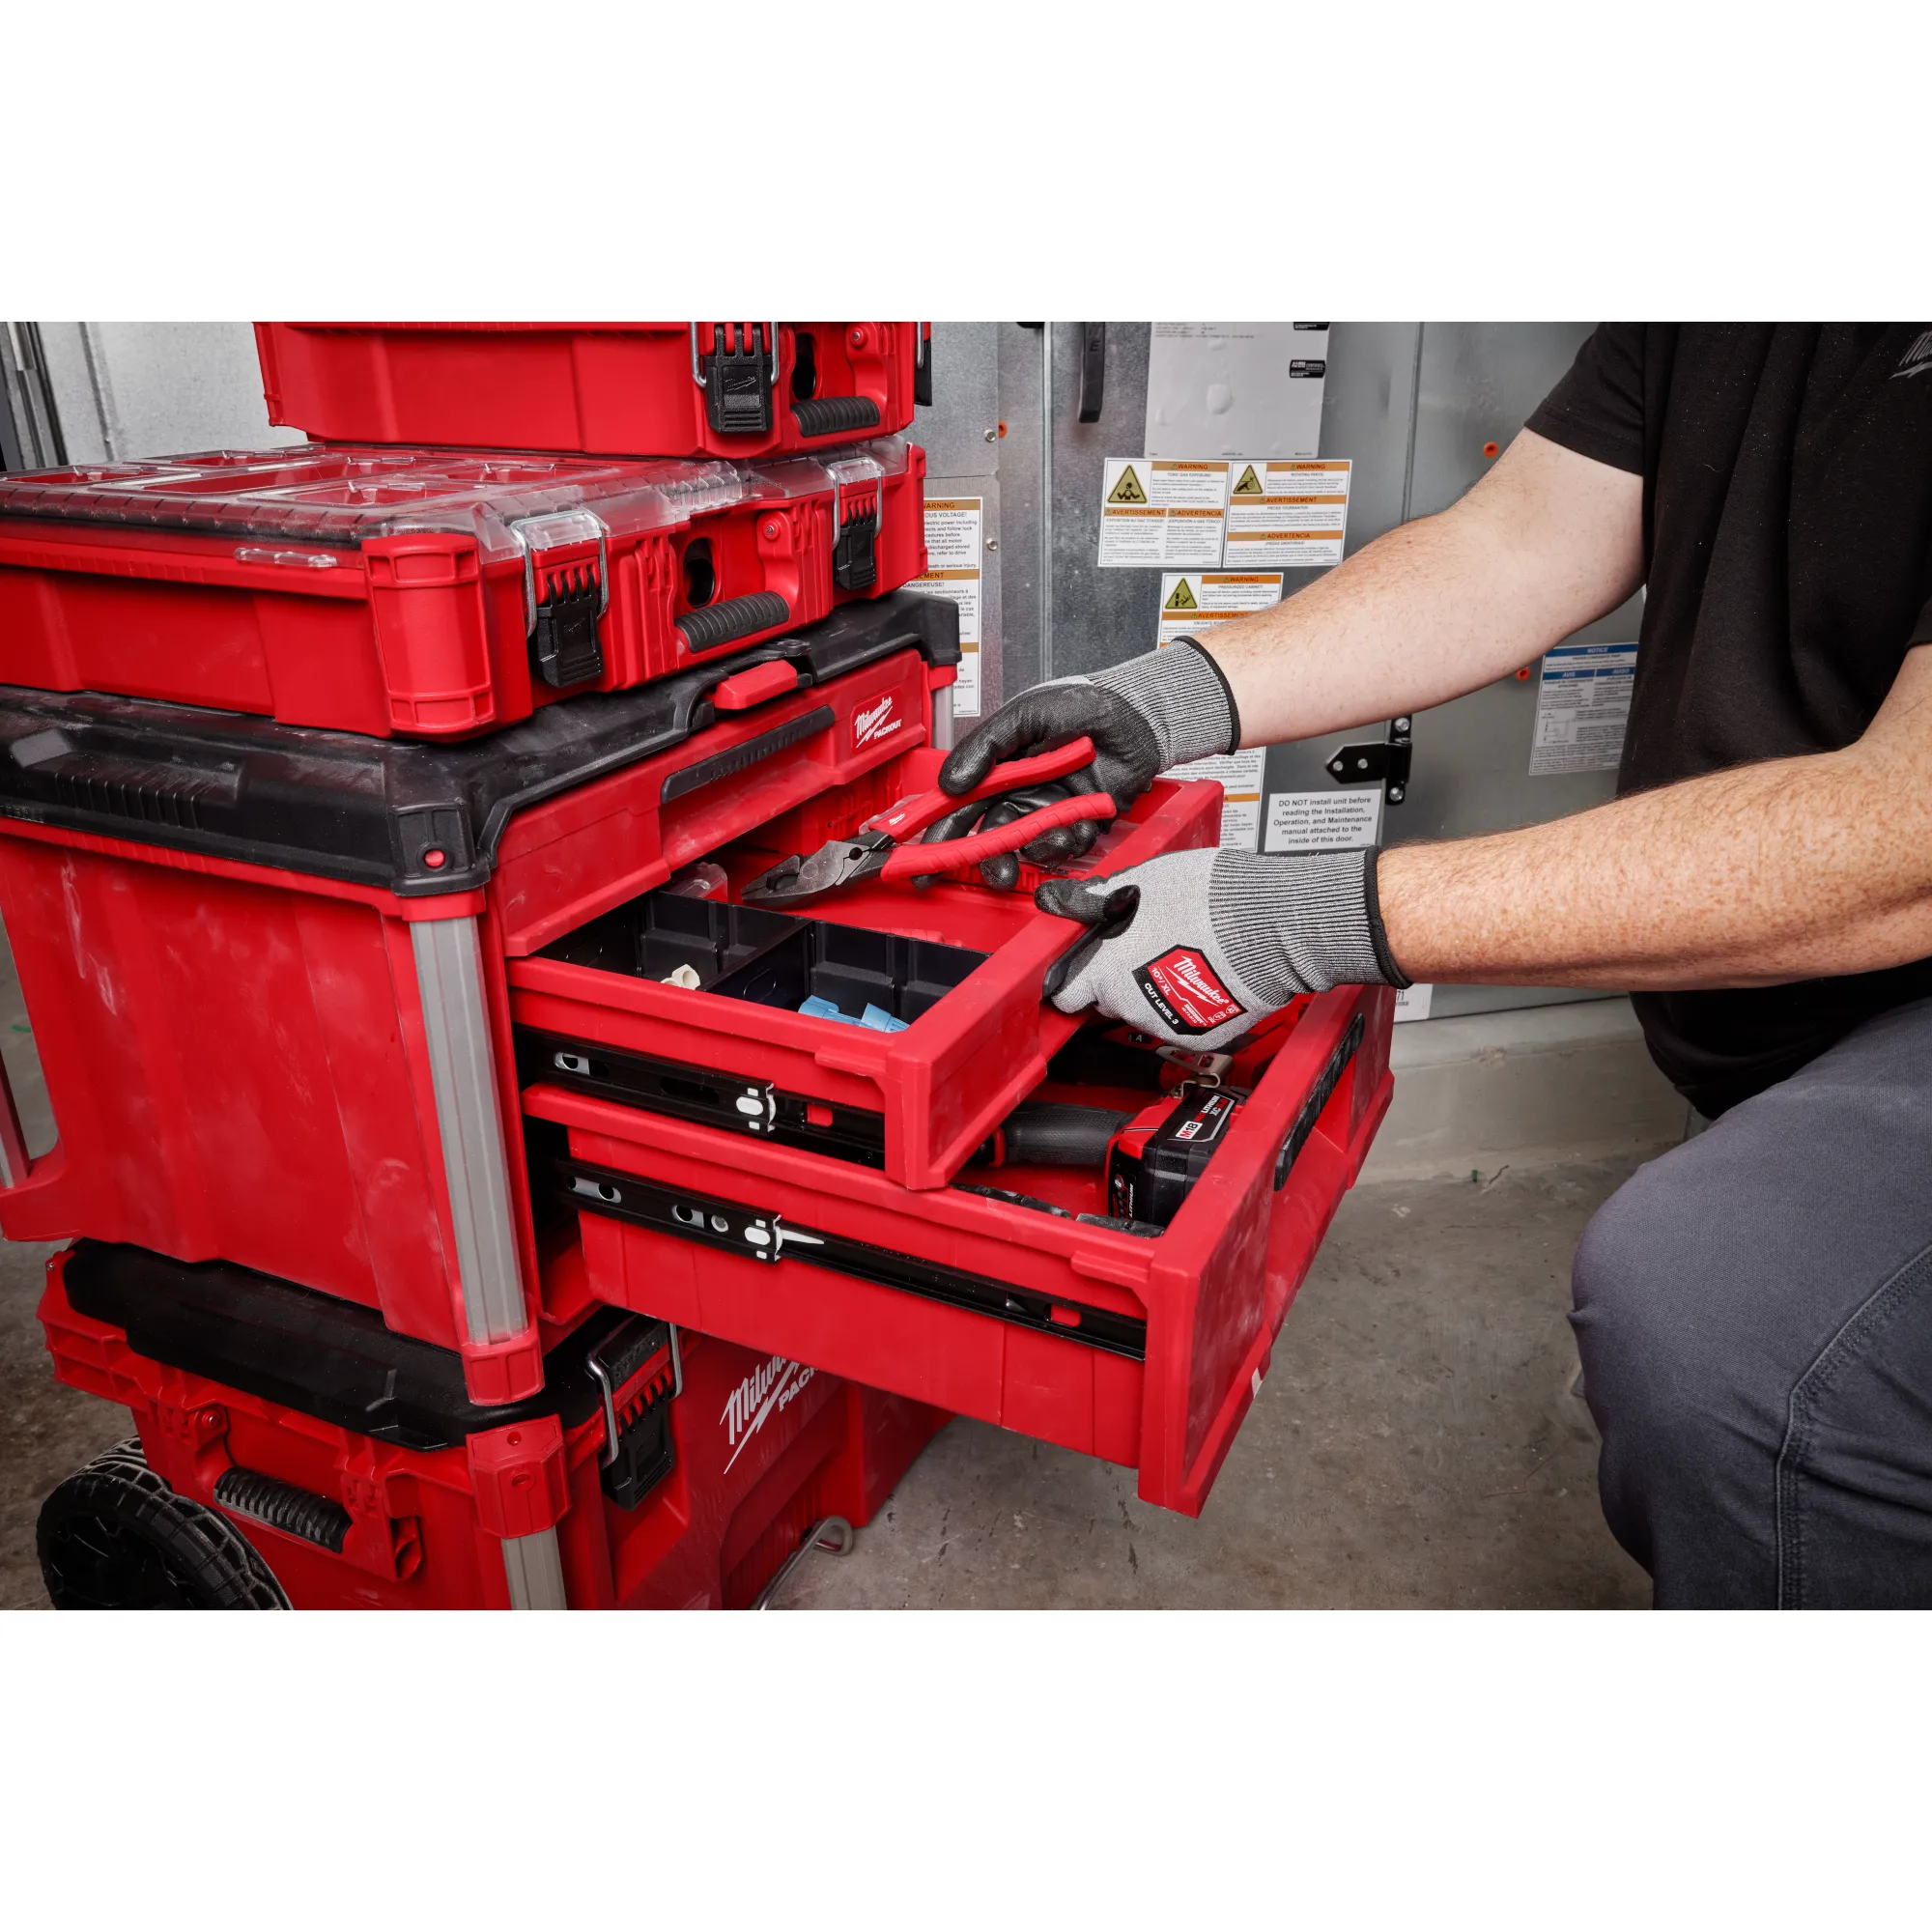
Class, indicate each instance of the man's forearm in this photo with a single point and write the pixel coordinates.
(1547, 542)
(1774, 873)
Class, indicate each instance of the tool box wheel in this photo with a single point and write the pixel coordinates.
(114, 1536)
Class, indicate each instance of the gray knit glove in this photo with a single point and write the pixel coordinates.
(1144, 715)
(1219, 940)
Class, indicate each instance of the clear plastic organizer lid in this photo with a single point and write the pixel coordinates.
(342, 495)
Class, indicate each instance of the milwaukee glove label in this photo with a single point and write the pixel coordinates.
(1186, 992)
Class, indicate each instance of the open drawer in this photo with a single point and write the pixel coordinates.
(960, 966)
(1019, 1305)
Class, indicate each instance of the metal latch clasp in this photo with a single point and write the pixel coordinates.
(615, 1361)
(562, 627)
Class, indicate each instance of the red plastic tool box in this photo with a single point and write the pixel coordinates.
(1014, 1296)
(265, 965)
(735, 390)
(963, 965)
(292, 1451)
(430, 593)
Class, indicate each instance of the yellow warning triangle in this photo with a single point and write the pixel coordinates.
(1183, 598)
(1250, 484)
(1128, 489)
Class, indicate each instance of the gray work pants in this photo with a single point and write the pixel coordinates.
(1754, 1314)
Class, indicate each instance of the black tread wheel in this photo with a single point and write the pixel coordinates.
(114, 1536)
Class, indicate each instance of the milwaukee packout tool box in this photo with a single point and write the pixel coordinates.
(1036, 1296)
(293, 1452)
(430, 592)
(265, 966)
(662, 996)
(735, 390)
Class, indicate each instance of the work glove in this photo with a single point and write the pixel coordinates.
(1195, 947)
(1143, 716)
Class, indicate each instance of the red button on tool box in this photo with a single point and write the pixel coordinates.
(266, 978)
(430, 593)
(654, 1470)
(1010, 1296)
(642, 388)
(962, 964)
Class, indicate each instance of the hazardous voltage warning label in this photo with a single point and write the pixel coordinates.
(1156, 511)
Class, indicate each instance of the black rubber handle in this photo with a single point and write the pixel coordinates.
(716, 624)
(1092, 370)
(1053, 1133)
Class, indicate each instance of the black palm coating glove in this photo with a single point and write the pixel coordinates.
(1143, 716)
(1219, 940)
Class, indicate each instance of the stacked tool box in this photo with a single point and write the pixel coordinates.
(476, 1201)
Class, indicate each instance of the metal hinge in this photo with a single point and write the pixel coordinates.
(1386, 765)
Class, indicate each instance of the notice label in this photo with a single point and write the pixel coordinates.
(1192, 604)
(1323, 821)
(1155, 512)
(1295, 514)
(954, 533)
(1582, 705)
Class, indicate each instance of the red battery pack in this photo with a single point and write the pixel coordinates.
(431, 593)
(964, 966)
(642, 388)
(1013, 1295)
(656, 1469)
(266, 978)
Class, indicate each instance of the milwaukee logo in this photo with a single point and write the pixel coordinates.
(1916, 359)
(1207, 1120)
(1185, 991)
(875, 722)
(767, 1391)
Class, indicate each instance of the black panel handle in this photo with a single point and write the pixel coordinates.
(1092, 370)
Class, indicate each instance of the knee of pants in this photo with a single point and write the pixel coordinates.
(1662, 1370)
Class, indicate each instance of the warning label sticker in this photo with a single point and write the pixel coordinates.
(1290, 513)
(1155, 511)
(1582, 705)
(954, 528)
(1192, 604)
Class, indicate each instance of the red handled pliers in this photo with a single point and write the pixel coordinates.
(884, 848)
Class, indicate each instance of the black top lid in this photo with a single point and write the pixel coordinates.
(339, 805)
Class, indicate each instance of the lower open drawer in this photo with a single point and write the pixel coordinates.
(1141, 1350)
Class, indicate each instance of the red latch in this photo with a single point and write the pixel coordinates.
(755, 687)
(519, 1476)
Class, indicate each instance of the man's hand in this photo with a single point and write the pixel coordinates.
(1220, 940)
(1143, 716)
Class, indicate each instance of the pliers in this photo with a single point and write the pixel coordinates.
(883, 847)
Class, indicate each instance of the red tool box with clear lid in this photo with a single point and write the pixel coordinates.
(430, 592)
(736, 389)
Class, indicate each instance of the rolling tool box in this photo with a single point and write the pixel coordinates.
(265, 965)
(425, 592)
(963, 966)
(1018, 1294)
(293, 1452)
(736, 389)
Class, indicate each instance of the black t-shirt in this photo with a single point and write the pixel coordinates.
(1787, 520)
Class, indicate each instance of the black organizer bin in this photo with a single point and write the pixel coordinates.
(768, 958)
